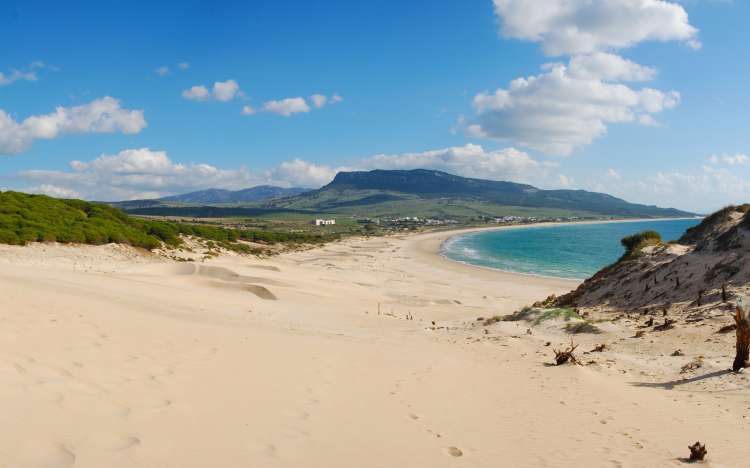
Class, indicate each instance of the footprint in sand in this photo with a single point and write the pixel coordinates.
(454, 451)
(114, 442)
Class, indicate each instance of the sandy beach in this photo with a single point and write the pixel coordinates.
(361, 353)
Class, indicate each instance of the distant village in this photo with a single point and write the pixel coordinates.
(410, 222)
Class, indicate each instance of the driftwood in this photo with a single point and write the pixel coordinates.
(743, 339)
(563, 356)
(697, 452)
(668, 323)
(598, 348)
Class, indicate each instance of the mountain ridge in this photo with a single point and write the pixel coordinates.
(392, 185)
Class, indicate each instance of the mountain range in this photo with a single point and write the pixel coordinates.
(417, 192)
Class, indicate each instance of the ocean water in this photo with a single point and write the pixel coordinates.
(570, 251)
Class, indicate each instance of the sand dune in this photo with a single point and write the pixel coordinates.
(111, 358)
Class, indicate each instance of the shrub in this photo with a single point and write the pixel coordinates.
(636, 242)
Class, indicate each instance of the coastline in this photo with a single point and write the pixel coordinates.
(448, 234)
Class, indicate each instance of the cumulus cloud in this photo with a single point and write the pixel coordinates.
(223, 91)
(196, 93)
(102, 115)
(287, 107)
(470, 161)
(703, 189)
(138, 173)
(248, 110)
(299, 173)
(608, 67)
(567, 106)
(146, 173)
(570, 104)
(571, 27)
(297, 105)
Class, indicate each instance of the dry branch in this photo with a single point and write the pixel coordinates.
(697, 452)
(561, 357)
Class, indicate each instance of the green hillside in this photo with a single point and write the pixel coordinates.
(38, 218)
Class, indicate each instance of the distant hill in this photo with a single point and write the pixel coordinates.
(216, 196)
(213, 197)
(350, 190)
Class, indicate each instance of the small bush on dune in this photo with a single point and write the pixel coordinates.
(633, 244)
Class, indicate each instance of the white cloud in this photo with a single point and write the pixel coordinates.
(298, 173)
(54, 191)
(470, 161)
(608, 67)
(702, 189)
(318, 100)
(223, 91)
(287, 107)
(248, 110)
(569, 27)
(162, 71)
(139, 173)
(196, 93)
(298, 105)
(102, 115)
(183, 65)
(29, 74)
(146, 173)
(568, 106)
(730, 159)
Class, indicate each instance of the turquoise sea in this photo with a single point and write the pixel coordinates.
(570, 251)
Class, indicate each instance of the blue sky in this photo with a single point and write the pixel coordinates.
(416, 84)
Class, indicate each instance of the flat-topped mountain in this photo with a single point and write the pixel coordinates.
(352, 189)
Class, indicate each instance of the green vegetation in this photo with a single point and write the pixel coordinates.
(564, 313)
(37, 218)
(633, 244)
(538, 315)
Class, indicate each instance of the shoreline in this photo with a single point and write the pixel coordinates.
(448, 234)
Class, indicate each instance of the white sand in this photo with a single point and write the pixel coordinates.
(109, 359)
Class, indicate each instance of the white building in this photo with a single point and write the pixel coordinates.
(325, 222)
